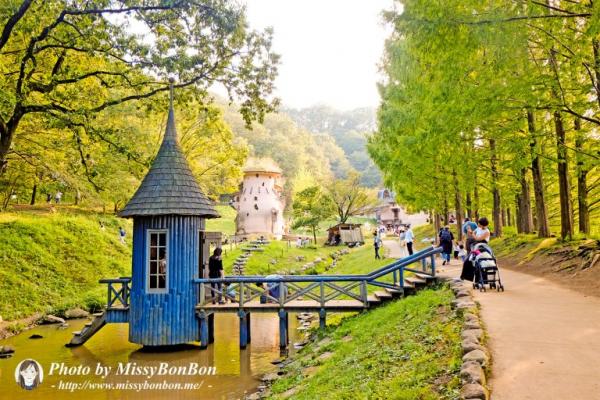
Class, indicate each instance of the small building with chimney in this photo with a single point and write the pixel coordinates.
(260, 201)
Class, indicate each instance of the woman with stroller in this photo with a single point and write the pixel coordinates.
(480, 235)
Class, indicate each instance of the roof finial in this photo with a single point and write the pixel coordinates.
(170, 133)
(171, 82)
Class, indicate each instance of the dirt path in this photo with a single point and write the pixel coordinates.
(544, 339)
(392, 249)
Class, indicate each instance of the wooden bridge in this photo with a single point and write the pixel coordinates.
(281, 294)
(309, 293)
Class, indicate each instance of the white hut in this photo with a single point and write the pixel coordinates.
(260, 202)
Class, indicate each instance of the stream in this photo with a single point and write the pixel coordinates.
(237, 371)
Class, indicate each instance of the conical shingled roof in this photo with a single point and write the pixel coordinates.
(169, 188)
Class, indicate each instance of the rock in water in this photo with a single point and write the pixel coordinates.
(35, 336)
(6, 351)
(76, 313)
(52, 319)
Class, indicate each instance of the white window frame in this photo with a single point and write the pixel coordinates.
(147, 272)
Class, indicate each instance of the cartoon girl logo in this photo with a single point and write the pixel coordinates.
(29, 374)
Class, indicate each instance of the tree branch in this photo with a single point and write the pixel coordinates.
(12, 21)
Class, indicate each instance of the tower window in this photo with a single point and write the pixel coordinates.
(256, 206)
(255, 198)
(158, 263)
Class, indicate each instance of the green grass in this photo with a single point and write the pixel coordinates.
(407, 349)
(279, 252)
(225, 224)
(52, 261)
(359, 260)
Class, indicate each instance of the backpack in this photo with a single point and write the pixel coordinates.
(446, 236)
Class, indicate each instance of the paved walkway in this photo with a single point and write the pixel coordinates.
(544, 339)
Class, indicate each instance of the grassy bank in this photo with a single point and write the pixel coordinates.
(407, 349)
(282, 257)
(50, 261)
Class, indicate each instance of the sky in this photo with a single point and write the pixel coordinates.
(329, 49)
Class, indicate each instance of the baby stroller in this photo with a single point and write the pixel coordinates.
(486, 268)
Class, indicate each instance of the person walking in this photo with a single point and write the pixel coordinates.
(446, 241)
(215, 271)
(122, 234)
(58, 197)
(376, 245)
(409, 238)
(479, 235)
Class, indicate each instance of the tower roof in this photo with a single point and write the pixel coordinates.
(169, 188)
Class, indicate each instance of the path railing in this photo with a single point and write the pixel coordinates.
(118, 292)
(323, 289)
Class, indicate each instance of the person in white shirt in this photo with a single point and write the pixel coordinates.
(482, 233)
(409, 238)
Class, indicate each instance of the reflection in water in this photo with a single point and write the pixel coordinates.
(237, 371)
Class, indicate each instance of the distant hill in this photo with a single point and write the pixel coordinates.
(291, 145)
(349, 129)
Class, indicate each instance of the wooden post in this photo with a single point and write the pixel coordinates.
(322, 293)
(109, 287)
(203, 330)
(283, 331)
(211, 328)
(241, 302)
(243, 329)
(402, 279)
(363, 293)
(322, 318)
(248, 328)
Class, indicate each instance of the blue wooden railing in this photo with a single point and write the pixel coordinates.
(118, 292)
(321, 288)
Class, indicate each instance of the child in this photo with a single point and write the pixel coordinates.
(456, 250)
(462, 253)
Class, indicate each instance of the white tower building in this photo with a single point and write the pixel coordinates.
(260, 202)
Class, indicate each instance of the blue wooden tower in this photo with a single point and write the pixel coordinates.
(169, 212)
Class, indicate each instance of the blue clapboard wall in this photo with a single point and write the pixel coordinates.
(157, 319)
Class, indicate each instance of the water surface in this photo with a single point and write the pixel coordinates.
(237, 371)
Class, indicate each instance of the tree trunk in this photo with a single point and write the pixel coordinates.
(469, 206)
(564, 188)
(476, 198)
(582, 188)
(525, 203)
(314, 230)
(518, 212)
(509, 216)
(437, 225)
(541, 210)
(497, 207)
(77, 197)
(33, 193)
(457, 205)
(446, 212)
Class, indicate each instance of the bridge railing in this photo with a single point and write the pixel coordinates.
(321, 288)
(118, 292)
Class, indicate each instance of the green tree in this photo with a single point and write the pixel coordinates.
(70, 60)
(349, 197)
(311, 207)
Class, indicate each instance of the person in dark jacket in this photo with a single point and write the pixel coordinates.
(215, 271)
(446, 241)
